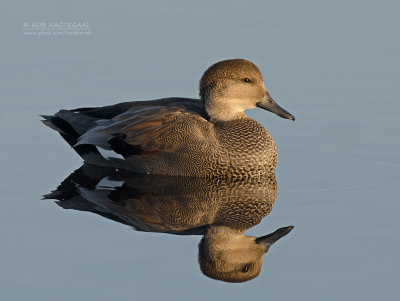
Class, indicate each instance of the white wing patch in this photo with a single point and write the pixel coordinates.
(107, 154)
(106, 183)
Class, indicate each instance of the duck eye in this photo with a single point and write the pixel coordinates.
(247, 80)
(245, 269)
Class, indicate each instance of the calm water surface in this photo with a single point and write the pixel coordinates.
(334, 65)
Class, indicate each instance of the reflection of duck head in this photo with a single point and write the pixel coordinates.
(220, 210)
(228, 255)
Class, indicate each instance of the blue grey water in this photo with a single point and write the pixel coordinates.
(333, 64)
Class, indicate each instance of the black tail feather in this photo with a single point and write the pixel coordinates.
(69, 134)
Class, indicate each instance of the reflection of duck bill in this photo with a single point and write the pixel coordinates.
(270, 239)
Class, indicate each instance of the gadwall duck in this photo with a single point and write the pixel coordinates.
(210, 137)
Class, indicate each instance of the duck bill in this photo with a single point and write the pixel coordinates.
(267, 103)
(270, 239)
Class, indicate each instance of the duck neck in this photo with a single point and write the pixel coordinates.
(219, 236)
(225, 231)
(220, 109)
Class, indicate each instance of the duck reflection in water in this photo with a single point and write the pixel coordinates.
(220, 210)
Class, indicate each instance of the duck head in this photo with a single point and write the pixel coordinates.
(228, 255)
(229, 87)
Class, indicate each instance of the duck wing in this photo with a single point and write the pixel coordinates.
(142, 128)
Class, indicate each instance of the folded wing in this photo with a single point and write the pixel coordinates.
(143, 128)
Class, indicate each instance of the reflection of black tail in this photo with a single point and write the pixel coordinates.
(68, 193)
(71, 126)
